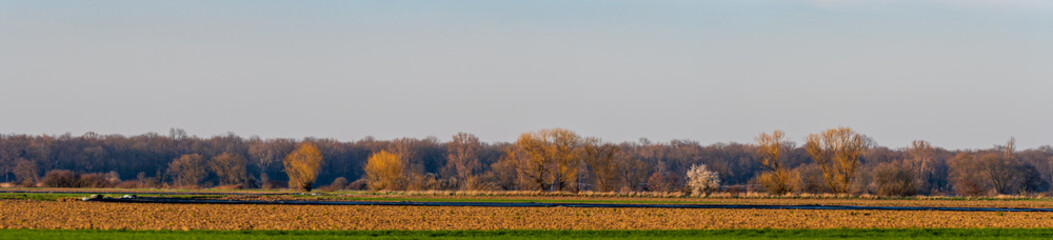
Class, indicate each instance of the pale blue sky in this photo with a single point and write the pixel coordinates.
(961, 74)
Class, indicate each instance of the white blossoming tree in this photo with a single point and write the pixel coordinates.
(701, 180)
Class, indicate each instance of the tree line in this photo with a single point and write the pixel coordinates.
(838, 160)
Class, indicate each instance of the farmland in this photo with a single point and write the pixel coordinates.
(541, 197)
(543, 234)
(821, 200)
(38, 211)
(62, 211)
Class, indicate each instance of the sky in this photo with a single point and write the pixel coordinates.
(963, 74)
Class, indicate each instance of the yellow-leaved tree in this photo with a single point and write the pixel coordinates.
(384, 171)
(549, 159)
(770, 149)
(838, 152)
(302, 166)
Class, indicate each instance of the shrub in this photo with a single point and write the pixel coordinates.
(1030, 180)
(700, 180)
(778, 182)
(360, 184)
(735, 190)
(153, 182)
(95, 180)
(810, 178)
(129, 184)
(892, 179)
(663, 181)
(229, 187)
(69, 179)
(420, 182)
(61, 179)
(339, 183)
(113, 177)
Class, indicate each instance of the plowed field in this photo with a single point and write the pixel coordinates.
(936, 202)
(98, 215)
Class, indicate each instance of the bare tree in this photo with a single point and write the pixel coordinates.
(505, 175)
(230, 168)
(1009, 150)
(922, 163)
(188, 170)
(632, 172)
(664, 181)
(463, 157)
(838, 152)
(602, 164)
(894, 179)
(264, 155)
(977, 173)
(1005, 171)
(26, 172)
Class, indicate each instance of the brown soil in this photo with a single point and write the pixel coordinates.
(100, 215)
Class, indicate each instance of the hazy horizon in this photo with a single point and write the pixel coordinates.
(960, 74)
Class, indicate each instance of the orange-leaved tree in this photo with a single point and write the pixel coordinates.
(302, 166)
(384, 171)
